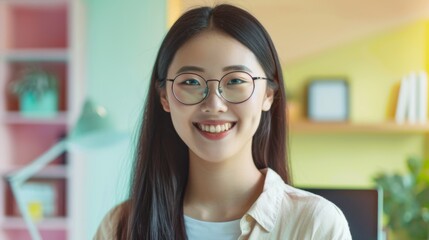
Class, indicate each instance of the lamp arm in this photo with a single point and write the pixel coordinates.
(19, 177)
(36, 165)
(32, 229)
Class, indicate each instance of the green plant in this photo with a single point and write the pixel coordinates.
(34, 80)
(406, 199)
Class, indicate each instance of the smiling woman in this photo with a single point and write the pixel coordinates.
(241, 106)
(212, 158)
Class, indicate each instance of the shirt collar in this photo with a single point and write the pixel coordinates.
(267, 207)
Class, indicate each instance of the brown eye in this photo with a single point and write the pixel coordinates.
(191, 82)
(235, 81)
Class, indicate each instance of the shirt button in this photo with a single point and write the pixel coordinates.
(248, 218)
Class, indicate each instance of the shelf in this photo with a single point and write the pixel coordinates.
(388, 127)
(49, 172)
(40, 55)
(18, 118)
(17, 223)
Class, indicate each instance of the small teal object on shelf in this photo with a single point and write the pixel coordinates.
(45, 105)
(37, 89)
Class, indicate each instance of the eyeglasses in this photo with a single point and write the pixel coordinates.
(234, 87)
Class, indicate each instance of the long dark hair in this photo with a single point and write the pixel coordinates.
(155, 206)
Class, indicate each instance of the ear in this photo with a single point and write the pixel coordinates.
(164, 100)
(268, 99)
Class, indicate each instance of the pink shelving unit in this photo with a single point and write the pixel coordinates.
(37, 33)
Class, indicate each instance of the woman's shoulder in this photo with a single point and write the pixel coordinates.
(291, 196)
(299, 196)
(109, 224)
(321, 216)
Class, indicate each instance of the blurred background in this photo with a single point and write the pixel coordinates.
(57, 54)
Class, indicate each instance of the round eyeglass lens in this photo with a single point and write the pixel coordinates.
(236, 87)
(189, 88)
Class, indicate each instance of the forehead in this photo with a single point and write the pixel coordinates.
(213, 51)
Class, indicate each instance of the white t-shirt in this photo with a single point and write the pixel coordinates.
(196, 229)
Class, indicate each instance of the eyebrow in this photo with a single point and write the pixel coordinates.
(190, 69)
(236, 68)
(225, 69)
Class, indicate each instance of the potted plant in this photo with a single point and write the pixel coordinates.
(38, 92)
(406, 200)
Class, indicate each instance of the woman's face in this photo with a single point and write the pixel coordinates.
(216, 130)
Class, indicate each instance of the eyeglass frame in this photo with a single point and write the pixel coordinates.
(218, 86)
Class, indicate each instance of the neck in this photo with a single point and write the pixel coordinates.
(221, 191)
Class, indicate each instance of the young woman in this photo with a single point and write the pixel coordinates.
(212, 160)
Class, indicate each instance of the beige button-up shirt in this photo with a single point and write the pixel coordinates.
(280, 212)
(284, 212)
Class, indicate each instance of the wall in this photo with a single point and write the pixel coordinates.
(373, 65)
(174, 10)
(302, 28)
(123, 37)
(427, 45)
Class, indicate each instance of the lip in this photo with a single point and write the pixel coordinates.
(214, 136)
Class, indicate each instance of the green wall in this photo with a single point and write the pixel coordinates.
(123, 37)
(373, 66)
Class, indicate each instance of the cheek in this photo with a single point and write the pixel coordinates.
(181, 125)
(178, 115)
(181, 118)
(176, 108)
(256, 101)
(251, 110)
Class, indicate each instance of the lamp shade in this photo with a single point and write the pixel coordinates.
(92, 119)
(94, 129)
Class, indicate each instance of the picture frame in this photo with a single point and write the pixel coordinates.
(328, 99)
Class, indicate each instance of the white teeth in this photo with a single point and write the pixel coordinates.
(215, 128)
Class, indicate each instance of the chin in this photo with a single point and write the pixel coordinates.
(212, 156)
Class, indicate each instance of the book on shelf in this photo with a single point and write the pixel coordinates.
(402, 105)
(44, 199)
(412, 108)
(412, 101)
(422, 98)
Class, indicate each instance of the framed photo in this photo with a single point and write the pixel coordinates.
(328, 100)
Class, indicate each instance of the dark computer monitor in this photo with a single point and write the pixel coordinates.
(363, 209)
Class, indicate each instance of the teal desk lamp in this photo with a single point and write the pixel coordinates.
(92, 130)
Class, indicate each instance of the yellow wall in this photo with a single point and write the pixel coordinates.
(427, 46)
(373, 66)
(174, 9)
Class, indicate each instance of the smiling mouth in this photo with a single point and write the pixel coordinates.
(215, 128)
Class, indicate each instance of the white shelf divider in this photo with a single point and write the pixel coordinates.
(17, 223)
(18, 118)
(40, 55)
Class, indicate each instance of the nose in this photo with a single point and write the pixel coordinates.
(214, 102)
